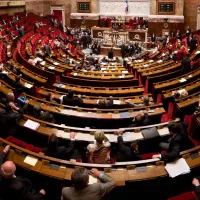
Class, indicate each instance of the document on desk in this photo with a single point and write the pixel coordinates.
(124, 72)
(177, 168)
(28, 85)
(31, 124)
(30, 160)
(182, 80)
(124, 115)
(56, 63)
(116, 102)
(92, 180)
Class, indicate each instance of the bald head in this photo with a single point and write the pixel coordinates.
(8, 169)
(10, 97)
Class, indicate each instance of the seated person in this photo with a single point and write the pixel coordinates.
(177, 143)
(145, 100)
(104, 60)
(11, 103)
(117, 60)
(142, 119)
(102, 103)
(46, 116)
(43, 115)
(179, 93)
(67, 60)
(72, 100)
(39, 53)
(19, 87)
(100, 141)
(126, 153)
(196, 183)
(61, 152)
(49, 97)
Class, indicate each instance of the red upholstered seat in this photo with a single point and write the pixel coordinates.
(185, 196)
(24, 144)
(159, 99)
(149, 155)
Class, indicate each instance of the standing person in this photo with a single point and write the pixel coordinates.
(193, 44)
(14, 187)
(80, 189)
(186, 64)
(188, 32)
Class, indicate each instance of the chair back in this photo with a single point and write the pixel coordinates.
(99, 156)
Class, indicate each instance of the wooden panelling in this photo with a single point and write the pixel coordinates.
(88, 23)
(190, 13)
(156, 27)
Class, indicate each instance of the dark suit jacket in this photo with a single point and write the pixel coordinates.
(145, 121)
(125, 153)
(197, 188)
(17, 187)
(174, 148)
(75, 101)
(185, 65)
(61, 152)
(108, 104)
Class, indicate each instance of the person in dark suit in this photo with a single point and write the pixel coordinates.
(126, 153)
(193, 44)
(14, 187)
(153, 38)
(47, 49)
(188, 32)
(110, 53)
(186, 64)
(196, 183)
(61, 152)
(141, 119)
(72, 100)
(178, 35)
(103, 104)
(12, 105)
(177, 143)
(43, 115)
(80, 189)
(7, 116)
(123, 50)
(21, 31)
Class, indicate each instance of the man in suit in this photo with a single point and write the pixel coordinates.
(72, 100)
(13, 187)
(61, 152)
(193, 44)
(12, 105)
(196, 183)
(81, 190)
(126, 153)
(145, 100)
(21, 31)
(177, 143)
(186, 64)
(103, 104)
(47, 50)
(141, 119)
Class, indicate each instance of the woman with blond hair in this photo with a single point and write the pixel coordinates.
(100, 141)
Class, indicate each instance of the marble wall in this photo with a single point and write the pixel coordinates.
(117, 8)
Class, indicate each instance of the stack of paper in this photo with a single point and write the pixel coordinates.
(182, 80)
(125, 72)
(75, 74)
(177, 168)
(146, 65)
(51, 67)
(159, 61)
(92, 180)
(31, 124)
(27, 85)
(56, 63)
(117, 102)
(30, 160)
(121, 76)
(43, 63)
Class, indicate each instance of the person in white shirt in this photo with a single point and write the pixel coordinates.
(100, 141)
